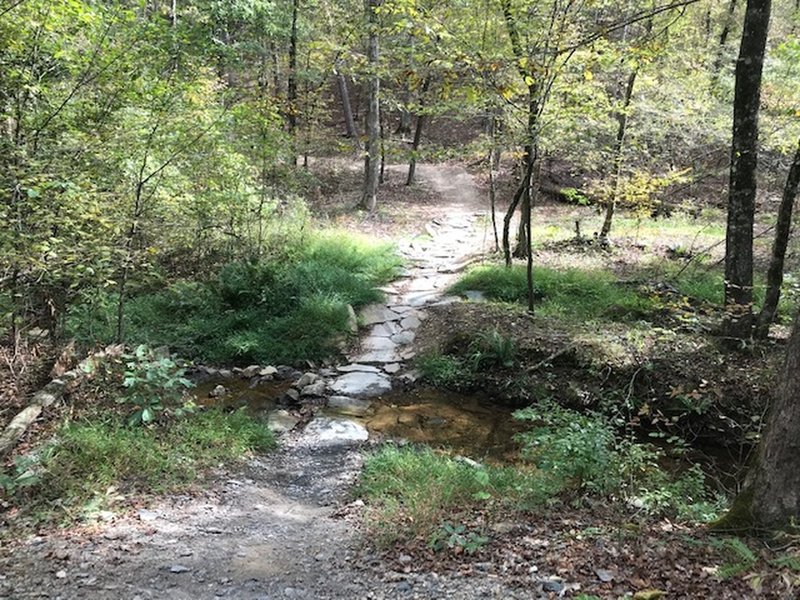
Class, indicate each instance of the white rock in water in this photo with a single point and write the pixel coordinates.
(361, 384)
(326, 431)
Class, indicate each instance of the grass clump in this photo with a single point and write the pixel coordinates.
(571, 292)
(93, 456)
(413, 492)
(284, 308)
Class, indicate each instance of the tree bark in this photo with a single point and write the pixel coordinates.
(771, 495)
(372, 157)
(291, 84)
(347, 107)
(744, 162)
(782, 229)
(619, 144)
(412, 165)
(723, 39)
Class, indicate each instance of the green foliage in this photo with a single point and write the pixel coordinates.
(443, 370)
(91, 456)
(456, 537)
(151, 383)
(255, 311)
(414, 492)
(25, 472)
(571, 292)
(738, 556)
(582, 452)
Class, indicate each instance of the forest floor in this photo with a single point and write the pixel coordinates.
(287, 525)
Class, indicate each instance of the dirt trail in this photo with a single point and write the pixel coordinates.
(285, 525)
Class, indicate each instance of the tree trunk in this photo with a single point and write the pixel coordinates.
(412, 165)
(347, 107)
(782, 229)
(291, 84)
(744, 161)
(372, 159)
(716, 68)
(528, 211)
(619, 144)
(771, 495)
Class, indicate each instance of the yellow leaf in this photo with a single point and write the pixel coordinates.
(588, 76)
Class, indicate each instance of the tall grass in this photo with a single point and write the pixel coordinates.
(570, 293)
(284, 308)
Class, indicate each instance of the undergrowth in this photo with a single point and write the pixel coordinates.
(574, 293)
(98, 462)
(288, 307)
(566, 456)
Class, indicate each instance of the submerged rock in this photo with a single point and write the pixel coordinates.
(346, 405)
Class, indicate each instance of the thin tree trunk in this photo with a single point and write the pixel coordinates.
(528, 211)
(744, 163)
(716, 68)
(291, 87)
(512, 208)
(372, 158)
(347, 107)
(619, 144)
(781, 242)
(412, 165)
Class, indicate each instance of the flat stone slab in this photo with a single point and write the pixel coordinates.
(357, 367)
(392, 368)
(411, 322)
(329, 431)
(378, 343)
(378, 356)
(377, 313)
(387, 329)
(403, 338)
(281, 421)
(356, 407)
(361, 384)
(421, 298)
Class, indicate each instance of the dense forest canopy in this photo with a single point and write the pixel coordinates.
(147, 139)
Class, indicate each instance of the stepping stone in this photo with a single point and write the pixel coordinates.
(421, 298)
(377, 313)
(361, 384)
(402, 309)
(346, 405)
(281, 421)
(360, 368)
(378, 356)
(411, 322)
(384, 329)
(422, 285)
(328, 431)
(404, 338)
(378, 343)
(392, 368)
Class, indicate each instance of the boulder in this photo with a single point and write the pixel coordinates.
(317, 389)
(306, 379)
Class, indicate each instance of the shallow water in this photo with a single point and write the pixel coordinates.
(469, 425)
(258, 399)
